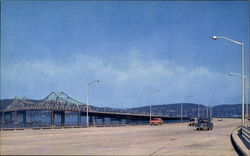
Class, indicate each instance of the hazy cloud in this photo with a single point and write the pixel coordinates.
(124, 84)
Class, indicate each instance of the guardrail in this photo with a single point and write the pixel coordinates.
(41, 127)
(240, 140)
(245, 133)
(67, 127)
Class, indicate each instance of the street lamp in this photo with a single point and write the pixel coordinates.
(208, 113)
(236, 74)
(242, 71)
(150, 102)
(247, 88)
(87, 113)
(198, 113)
(182, 107)
(211, 111)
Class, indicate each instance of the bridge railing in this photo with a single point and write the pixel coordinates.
(245, 133)
(11, 125)
(23, 125)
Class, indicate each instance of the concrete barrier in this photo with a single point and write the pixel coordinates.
(240, 146)
(245, 133)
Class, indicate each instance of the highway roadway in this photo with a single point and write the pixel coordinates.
(168, 139)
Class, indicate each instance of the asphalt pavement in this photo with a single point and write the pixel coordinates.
(167, 139)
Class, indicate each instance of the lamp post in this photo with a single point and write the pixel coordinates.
(198, 113)
(242, 72)
(211, 112)
(207, 111)
(182, 107)
(150, 102)
(247, 88)
(87, 113)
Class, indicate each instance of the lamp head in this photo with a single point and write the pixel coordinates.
(98, 81)
(214, 37)
(230, 74)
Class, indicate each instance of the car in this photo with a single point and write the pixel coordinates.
(156, 121)
(204, 123)
(192, 121)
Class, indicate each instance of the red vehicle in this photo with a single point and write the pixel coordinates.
(156, 121)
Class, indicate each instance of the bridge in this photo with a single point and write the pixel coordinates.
(57, 103)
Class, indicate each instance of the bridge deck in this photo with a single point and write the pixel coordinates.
(168, 139)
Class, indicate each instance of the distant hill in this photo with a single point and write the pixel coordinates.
(226, 110)
(189, 109)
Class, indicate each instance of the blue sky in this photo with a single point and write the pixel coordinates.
(132, 47)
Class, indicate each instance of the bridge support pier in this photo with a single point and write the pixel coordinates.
(92, 120)
(1, 116)
(4, 116)
(8, 114)
(15, 116)
(111, 121)
(24, 117)
(11, 119)
(127, 120)
(103, 121)
(120, 121)
(62, 118)
(53, 114)
(79, 118)
(52, 119)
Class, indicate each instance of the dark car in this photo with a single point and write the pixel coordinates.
(204, 123)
